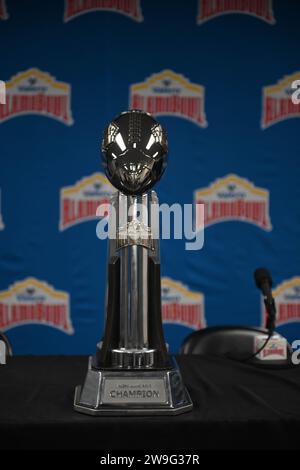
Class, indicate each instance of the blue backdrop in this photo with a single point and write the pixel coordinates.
(218, 75)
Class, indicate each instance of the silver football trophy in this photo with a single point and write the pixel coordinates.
(132, 372)
(2, 352)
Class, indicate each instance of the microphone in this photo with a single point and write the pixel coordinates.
(264, 282)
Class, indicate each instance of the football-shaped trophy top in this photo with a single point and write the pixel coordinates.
(134, 150)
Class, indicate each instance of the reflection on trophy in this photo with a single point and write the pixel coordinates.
(132, 372)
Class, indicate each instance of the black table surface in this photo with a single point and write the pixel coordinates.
(235, 406)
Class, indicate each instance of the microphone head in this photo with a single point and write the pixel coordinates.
(262, 275)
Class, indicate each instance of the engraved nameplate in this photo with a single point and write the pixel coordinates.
(127, 390)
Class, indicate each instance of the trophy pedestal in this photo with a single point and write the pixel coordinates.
(131, 372)
(119, 392)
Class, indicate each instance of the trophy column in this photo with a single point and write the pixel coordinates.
(132, 372)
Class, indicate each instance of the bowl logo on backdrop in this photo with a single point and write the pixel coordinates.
(277, 103)
(181, 306)
(234, 198)
(35, 302)
(287, 297)
(209, 9)
(170, 94)
(33, 92)
(79, 203)
(3, 10)
(130, 8)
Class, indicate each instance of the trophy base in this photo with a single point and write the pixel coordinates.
(132, 392)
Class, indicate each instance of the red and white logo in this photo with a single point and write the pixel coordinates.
(274, 350)
(234, 198)
(79, 203)
(3, 10)
(1, 219)
(35, 302)
(287, 298)
(38, 93)
(181, 306)
(209, 9)
(130, 8)
(277, 104)
(170, 94)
